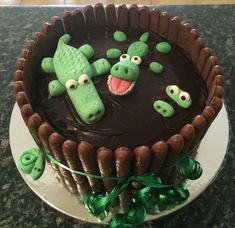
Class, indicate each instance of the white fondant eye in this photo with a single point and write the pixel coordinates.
(174, 90)
(83, 79)
(136, 60)
(124, 57)
(184, 96)
(71, 84)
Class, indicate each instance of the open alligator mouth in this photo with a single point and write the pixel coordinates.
(119, 86)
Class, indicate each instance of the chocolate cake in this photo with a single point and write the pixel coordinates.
(160, 91)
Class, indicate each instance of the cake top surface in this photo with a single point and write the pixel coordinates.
(160, 93)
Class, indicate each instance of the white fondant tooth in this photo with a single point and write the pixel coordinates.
(117, 93)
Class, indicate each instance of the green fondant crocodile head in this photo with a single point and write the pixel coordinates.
(125, 73)
(74, 74)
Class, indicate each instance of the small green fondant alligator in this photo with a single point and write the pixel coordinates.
(32, 162)
(125, 73)
(182, 98)
(74, 74)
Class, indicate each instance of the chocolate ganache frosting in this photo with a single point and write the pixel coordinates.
(129, 120)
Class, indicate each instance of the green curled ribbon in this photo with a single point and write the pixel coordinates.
(188, 168)
(98, 205)
(151, 199)
(154, 195)
(148, 199)
(134, 216)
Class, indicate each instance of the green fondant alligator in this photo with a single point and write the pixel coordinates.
(125, 73)
(74, 74)
(32, 162)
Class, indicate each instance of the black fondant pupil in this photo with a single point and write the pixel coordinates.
(183, 98)
(72, 86)
(135, 58)
(124, 56)
(85, 81)
(172, 91)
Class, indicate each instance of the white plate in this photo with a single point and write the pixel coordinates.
(211, 154)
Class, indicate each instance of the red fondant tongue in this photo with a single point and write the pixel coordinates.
(119, 85)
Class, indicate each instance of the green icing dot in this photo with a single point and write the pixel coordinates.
(87, 50)
(156, 67)
(163, 47)
(163, 108)
(138, 48)
(119, 36)
(113, 53)
(144, 37)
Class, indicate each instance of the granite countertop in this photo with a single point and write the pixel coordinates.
(20, 207)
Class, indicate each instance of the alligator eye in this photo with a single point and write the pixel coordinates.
(71, 84)
(136, 60)
(124, 57)
(83, 79)
(184, 96)
(174, 90)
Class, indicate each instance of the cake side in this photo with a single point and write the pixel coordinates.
(124, 161)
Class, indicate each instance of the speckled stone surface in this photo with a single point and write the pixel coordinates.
(20, 207)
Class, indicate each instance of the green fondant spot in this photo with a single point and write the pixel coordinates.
(119, 36)
(100, 67)
(163, 47)
(163, 108)
(32, 162)
(56, 88)
(126, 70)
(138, 48)
(113, 53)
(87, 50)
(47, 65)
(156, 67)
(181, 97)
(144, 37)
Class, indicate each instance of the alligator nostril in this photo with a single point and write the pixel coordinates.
(90, 116)
(116, 68)
(126, 71)
(98, 112)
